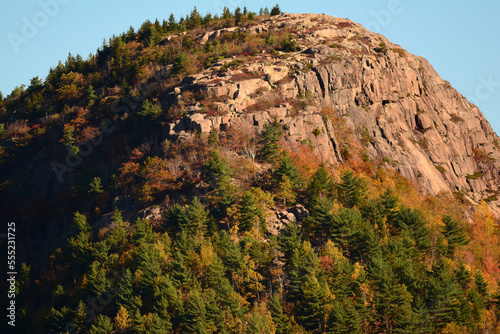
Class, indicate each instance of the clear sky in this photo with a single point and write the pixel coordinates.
(459, 38)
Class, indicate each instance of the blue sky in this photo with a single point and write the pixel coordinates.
(459, 38)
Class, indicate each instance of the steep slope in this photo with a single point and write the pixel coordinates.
(394, 102)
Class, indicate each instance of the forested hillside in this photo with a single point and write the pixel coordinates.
(127, 227)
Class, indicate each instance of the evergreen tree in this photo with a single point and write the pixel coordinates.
(143, 232)
(96, 187)
(217, 171)
(177, 217)
(101, 325)
(215, 314)
(442, 293)
(319, 185)
(312, 306)
(279, 317)
(229, 252)
(96, 281)
(411, 220)
(287, 168)
(248, 211)
(320, 220)
(351, 190)
(454, 234)
(195, 316)
(91, 97)
(276, 10)
(269, 140)
(126, 291)
(198, 217)
(213, 137)
(289, 240)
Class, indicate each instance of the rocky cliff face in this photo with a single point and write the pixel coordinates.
(394, 102)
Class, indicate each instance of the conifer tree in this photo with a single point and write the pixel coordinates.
(101, 325)
(229, 252)
(248, 212)
(454, 234)
(289, 240)
(320, 220)
(126, 291)
(276, 10)
(215, 313)
(195, 316)
(411, 220)
(198, 217)
(287, 168)
(312, 306)
(96, 187)
(143, 232)
(269, 138)
(319, 185)
(177, 217)
(351, 189)
(96, 280)
(279, 317)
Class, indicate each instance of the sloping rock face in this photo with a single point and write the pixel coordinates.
(406, 113)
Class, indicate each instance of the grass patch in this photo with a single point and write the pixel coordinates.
(474, 176)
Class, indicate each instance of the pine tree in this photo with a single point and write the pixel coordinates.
(351, 189)
(343, 225)
(269, 138)
(198, 217)
(213, 137)
(411, 220)
(289, 240)
(143, 232)
(96, 281)
(96, 188)
(229, 252)
(248, 212)
(215, 313)
(101, 325)
(320, 220)
(312, 306)
(276, 10)
(195, 316)
(279, 317)
(287, 168)
(454, 234)
(126, 291)
(319, 185)
(177, 217)
(91, 95)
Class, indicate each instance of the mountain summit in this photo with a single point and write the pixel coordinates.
(393, 102)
